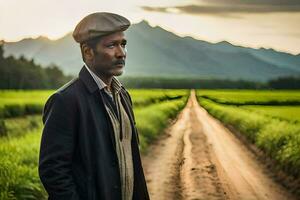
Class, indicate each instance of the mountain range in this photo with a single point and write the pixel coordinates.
(155, 52)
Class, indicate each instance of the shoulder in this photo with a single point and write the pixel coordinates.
(72, 91)
(62, 100)
(70, 87)
(65, 94)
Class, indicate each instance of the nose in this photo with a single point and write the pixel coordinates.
(121, 52)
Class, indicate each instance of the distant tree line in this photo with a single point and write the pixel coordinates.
(288, 82)
(197, 83)
(182, 83)
(22, 73)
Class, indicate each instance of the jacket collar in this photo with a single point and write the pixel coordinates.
(88, 80)
(93, 82)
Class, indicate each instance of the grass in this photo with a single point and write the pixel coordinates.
(252, 97)
(19, 126)
(18, 167)
(15, 103)
(12, 97)
(289, 113)
(143, 97)
(278, 138)
(153, 119)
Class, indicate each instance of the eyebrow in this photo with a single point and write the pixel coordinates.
(116, 41)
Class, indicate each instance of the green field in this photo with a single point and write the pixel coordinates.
(252, 97)
(290, 113)
(19, 103)
(21, 133)
(39, 97)
(269, 119)
(9, 97)
(24, 102)
(282, 104)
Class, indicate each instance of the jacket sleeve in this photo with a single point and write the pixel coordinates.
(56, 150)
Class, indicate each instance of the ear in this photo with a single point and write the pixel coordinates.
(87, 52)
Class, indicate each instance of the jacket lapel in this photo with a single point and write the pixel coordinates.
(88, 80)
(92, 87)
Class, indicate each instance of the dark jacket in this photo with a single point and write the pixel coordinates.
(77, 155)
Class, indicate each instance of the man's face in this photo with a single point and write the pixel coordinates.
(109, 55)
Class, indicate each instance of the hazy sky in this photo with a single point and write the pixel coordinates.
(254, 23)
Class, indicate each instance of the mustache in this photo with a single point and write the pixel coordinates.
(119, 62)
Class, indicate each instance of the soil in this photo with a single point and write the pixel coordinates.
(199, 158)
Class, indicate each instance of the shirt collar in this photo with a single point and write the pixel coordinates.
(115, 83)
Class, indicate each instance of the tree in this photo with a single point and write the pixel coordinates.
(25, 74)
(288, 82)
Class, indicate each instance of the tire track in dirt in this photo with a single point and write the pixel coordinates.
(178, 165)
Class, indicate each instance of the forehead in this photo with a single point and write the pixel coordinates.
(118, 36)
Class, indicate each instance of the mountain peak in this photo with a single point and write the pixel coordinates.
(224, 42)
(43, 38)
(31, 39)
(143, 23)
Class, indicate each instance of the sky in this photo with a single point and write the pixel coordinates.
(252, 23)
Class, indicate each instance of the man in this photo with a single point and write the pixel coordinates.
(89, 148)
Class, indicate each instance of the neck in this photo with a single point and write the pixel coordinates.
(106, 79)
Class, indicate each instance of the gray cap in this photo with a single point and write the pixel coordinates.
(99, 24)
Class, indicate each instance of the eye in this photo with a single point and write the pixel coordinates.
(110, 46)
(123, 44)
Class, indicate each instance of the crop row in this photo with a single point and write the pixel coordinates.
(15, 127)
(289, 113)
(154, 118)
(252, 97)
(143, 97)
(279, 139)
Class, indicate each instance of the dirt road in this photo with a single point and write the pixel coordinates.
(198, 158)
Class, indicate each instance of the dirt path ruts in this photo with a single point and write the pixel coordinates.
(198, 158)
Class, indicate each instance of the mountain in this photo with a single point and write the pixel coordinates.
(153, 51)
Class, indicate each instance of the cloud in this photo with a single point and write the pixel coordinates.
(254, 2)
(232, 7)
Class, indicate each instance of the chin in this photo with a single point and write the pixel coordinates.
(118, 73)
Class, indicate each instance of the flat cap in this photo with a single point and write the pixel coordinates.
(99, 24)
